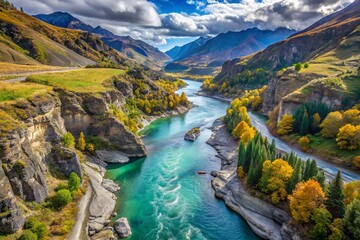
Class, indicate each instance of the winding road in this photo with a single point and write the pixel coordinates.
(259, 122)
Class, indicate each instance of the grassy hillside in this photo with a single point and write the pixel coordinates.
(27, 40)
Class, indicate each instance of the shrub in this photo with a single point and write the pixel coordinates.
(81, 144)
(68, 140)
(36, 227)
(74, 182)
(62, 198)
(306, 65)
(90, 148)
(28, 235)
(240, 172)
(61, 186)
(298, 66)
(304, 143)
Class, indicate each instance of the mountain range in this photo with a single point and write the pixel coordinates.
(205, 55)
(136, 50)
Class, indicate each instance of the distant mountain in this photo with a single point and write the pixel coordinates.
(215, 51)
(178, 53)
(27, 40)
(137, 50)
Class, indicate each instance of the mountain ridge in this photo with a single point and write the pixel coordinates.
(136, 50)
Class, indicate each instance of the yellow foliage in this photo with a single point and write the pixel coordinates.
(348, 137)
(316, 120)
(304, 143)
(331, 124)
(240, 129)
(285, 125)
(356, 161)
(81, 144)
(352, 116)
(306, 197)
(248, 134)
(274, 178)
(351, 191)
(240, 172)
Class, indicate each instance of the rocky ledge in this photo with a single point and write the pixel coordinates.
(192, 135)
(266, 220)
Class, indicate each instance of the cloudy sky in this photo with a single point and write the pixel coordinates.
(166, 23)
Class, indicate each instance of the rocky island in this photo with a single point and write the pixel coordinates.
(192, 135)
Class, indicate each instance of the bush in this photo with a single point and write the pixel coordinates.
(62, 198)
(68, 140)
(61, 186)
(298, 66)
(74, 182)
(306, 65)
(356, 161)
(90, 148)
(28, 235)
(304, 143)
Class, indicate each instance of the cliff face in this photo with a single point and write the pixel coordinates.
(30, 143)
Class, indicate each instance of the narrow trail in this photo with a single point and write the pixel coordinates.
(26, 74)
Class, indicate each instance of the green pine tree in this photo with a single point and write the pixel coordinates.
(335, 201)
(242, 154)
(305, 123)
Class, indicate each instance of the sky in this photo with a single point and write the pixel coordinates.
(168, 23)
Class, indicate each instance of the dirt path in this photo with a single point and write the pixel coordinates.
(25, 75)
(76, 232)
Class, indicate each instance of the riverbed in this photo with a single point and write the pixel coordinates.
(162, 195)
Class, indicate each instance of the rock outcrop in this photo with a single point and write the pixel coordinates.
(266, 220)
(122, 228)
(192, 135)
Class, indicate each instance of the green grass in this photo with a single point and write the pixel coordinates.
(83, 80)
(15, 91)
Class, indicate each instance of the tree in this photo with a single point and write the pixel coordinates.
(62, 198)
(275, 176)
(306, 197)
(285, 125)
(352, 220)
(356, 161)
(335, 197)
(257, 103)
(337, 230)
(74, 182)
(242, 154)
(90, 147)
(81, 144)
(304, 143)
(348, 137)
(306, 65)
(68, 140)
(183, 99)
(21, 9)
(239, 130)
(331, 124)
(322, 219)
(305, 123)
(316, 120)
(351, 191)
(298, 66)
(36, 227)
(248, 134)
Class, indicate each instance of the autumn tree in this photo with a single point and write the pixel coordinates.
(356, 161)
(183, 99)
(335, 197)
(331, 124)
(316, 120)
(351, 191)
(81, 144)
(337, 230)
(304, 143)
(248, 134)
(275, 176)
(74, 182)
(239, 130)
(285, 125)
(322, 219)
(306, 197)
(348, 137)
(352, 220)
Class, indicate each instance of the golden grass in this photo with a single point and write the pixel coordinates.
(15, 91)
(11, 68)
(82, 80)
(323, 69)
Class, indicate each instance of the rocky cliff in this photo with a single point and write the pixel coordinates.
(31, 149)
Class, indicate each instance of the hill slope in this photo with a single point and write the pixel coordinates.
(227, 46)
(137, 50)
(321, 37)
(177, 53)
(27, 40)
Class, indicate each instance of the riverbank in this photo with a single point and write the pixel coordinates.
(266, 220)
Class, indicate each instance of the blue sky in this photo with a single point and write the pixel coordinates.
(167, 23)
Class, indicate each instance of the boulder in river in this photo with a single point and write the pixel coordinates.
(192, 135)
(122, 228)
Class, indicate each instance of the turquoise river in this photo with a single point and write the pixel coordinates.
(162, 195)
